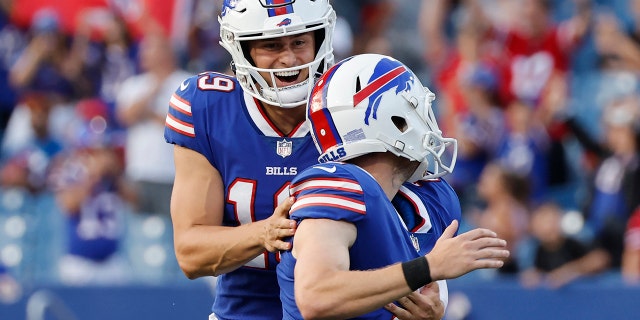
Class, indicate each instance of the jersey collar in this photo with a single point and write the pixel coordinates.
(265, 126)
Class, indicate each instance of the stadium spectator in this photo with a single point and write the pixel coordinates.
(505, 208)
(524, 148)
(12, 44)
(535, 40)
(462, 56)
(453, 48)
(141, 107)
(344, 233)
(615, 182)
(51, 64)
(104, 42)
(442, 21)
(42, 65)
(520, 41)
(91, 192)
(559, 259)
(534, 71)
(479, 131)
(28, 167)
(46, 77)
(631, 253)
(618, 49)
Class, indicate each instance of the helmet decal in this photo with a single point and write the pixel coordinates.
(285, 22)
(279, 7)
(322, 122)
(229, 5)
(380, 82)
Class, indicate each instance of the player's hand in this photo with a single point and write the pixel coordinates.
(424, 304)
(452, 257)
(278, 227)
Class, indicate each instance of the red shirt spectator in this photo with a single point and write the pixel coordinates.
(536, 50)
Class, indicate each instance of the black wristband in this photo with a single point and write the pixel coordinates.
(416, 273)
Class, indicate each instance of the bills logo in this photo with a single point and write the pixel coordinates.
(284, 23)
(231, 5)
(333, 155)
(388, 75)
(284, 148)
(281, 171)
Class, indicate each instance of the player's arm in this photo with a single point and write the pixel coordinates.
(326, 288)
(204, 247)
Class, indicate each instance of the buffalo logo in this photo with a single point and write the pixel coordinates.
(230, 5)
(284, 22)
(388, 74)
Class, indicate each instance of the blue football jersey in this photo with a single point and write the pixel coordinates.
(346, 192)
(427, 207)
(212, 115)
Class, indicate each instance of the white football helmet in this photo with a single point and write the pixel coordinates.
(374, 103)
(244, 20)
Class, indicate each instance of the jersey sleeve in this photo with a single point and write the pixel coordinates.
(179, 124)
(187, 120)
(327, 191)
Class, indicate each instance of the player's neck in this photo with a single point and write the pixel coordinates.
(285, 119)
(382, 166)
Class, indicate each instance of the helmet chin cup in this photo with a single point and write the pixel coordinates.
(286, 96)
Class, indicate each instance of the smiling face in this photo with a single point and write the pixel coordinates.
(281, 53)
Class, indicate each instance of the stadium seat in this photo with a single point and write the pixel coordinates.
(17, 233)
(149, 246)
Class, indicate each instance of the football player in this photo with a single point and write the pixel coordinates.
(239, 141)
(372, 122)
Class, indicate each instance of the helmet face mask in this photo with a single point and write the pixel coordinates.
(373, 103)
(248, 20)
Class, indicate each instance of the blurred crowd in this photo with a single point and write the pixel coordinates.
(543, 99)
(542, 96)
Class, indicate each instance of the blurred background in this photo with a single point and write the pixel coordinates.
(543, 97)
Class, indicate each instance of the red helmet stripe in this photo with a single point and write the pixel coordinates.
(322, 123)
(377, 84)
(324, 129)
